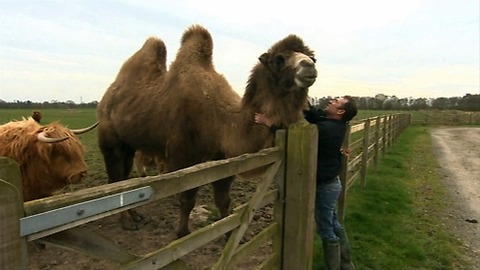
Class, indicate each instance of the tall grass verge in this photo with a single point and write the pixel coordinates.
(395, 222)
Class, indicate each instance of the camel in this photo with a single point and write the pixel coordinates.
(190, 114)
(144, 161)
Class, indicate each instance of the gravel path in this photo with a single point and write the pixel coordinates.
(458, 153)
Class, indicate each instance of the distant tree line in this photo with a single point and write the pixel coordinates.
(54, 104)
(379, 102)
(383, 102)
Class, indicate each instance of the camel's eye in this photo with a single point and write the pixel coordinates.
(278, 62)
(313, 59)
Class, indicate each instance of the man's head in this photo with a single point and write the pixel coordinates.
(343, 108)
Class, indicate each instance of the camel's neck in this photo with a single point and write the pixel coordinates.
(282, 109)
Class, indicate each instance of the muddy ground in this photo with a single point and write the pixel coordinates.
(158, 231)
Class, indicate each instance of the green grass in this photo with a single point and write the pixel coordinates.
(394, 223)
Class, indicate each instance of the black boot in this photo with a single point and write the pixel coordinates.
(346, 257)
(331, 254)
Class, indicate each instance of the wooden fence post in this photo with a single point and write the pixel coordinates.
(398, 125)
(279, 204)
(342, 200)
(377, 139)
(389, 131)
(301, 161)
(13, 249)
(366, 140)
(394, 128)
(384, 138)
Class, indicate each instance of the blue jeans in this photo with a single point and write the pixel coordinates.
(326, 209)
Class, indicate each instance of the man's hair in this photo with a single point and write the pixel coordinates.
(350, 108)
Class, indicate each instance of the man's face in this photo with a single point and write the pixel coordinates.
(334, 108)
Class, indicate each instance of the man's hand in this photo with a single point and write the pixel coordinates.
(260, 118)
(345, 152)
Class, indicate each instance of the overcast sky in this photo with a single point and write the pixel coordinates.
(72, 50)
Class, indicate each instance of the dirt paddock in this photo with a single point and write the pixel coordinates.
(158, 231)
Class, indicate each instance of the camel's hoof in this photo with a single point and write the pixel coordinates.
(137, 217)
(38, 247)
(182, 233)
(129, 224)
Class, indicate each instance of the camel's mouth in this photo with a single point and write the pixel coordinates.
(307, 78)
(307, 75)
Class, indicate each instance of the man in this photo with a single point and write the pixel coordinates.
(332, 124)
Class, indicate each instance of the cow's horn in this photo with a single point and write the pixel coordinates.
(83, 130)
(41, 137)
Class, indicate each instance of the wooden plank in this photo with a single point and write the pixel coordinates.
(89, 242)
(13, 249)
(180, 247)
(166, 184)
(357, 128)
(342, 200)
(279, 205)
(261, 238)
(224, 262)
(185, 245)
(270, 263)
(301, 164)
(82, 221)
(352, 163)
(70, 214)
(176, 265)
(352, 178)
(356, 143)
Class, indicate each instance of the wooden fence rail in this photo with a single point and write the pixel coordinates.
(446, 117)
(288, 184)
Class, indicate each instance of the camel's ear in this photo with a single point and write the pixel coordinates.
(264, 58)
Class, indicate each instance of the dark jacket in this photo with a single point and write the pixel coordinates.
(331, 133)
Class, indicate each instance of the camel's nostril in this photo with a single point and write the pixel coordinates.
(307, 63)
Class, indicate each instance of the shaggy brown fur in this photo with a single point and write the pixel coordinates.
(143, 161)
(45, 167)
(190, 114)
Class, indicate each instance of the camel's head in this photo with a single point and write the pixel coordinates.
(291, 62)
(304, 66)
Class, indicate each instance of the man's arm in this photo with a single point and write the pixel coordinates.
(313, 114)
(263, 120)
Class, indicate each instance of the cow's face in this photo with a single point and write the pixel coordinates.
(68, 167)
(50, 157)
(57, 165)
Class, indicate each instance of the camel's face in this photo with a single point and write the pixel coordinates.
(305, 71)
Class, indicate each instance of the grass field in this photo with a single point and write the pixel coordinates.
(81, 117)
(385, 221)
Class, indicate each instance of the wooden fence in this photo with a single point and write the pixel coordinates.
(446, 117)
(288, 183)
(367, 141)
